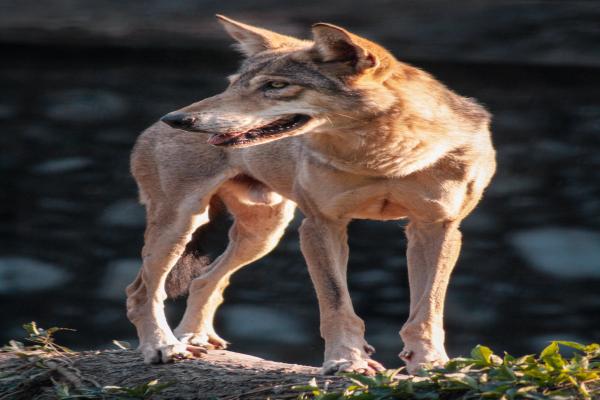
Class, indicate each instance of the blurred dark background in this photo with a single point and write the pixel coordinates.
(80, 79)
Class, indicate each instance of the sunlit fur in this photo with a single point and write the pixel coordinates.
(385, 141)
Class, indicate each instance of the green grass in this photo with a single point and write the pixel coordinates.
(484, 375)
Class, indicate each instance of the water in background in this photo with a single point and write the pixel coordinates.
(72, 229)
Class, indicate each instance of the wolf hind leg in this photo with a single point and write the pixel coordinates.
(257, 228)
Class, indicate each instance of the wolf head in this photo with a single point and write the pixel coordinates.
(287, 87)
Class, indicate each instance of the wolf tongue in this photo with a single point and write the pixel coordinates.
(219, 138)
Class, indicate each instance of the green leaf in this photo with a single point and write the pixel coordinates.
(482, 354)
(592, 350)
(529, 359)
(463, 379)
(550, 350)
(457, 363)
(573, 345)
(360, 379)
(505, 372)
(508, 359)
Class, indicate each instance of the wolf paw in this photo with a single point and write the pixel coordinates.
(169, 352)
(419, 359)
(208, 341)
(365, 367)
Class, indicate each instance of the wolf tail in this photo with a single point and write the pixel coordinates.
(199, 252)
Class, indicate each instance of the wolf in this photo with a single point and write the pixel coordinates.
(337, 127)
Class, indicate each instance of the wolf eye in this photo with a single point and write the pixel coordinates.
(276, 85)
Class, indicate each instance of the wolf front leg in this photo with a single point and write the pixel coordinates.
(325, 248)
(167, 232)
(433, 249)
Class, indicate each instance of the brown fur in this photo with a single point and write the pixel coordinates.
(384, 141)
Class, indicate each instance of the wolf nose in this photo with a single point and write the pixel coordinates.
(179, 120)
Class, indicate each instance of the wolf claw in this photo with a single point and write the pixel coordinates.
(364, 367)
(169, 353)
(207, 341)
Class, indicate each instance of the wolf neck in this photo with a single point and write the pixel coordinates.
(377, 152)
(425, 122)
(396, 146)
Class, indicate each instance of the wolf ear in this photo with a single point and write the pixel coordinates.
(252, 40)
(335, 44)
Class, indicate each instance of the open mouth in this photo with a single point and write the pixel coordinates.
(275, 128)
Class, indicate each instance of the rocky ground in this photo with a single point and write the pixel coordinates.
(77, 88)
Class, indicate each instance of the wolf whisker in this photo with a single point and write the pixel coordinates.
(331, 123)
(345, 116)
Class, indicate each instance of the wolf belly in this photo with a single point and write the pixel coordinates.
(380, 209)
